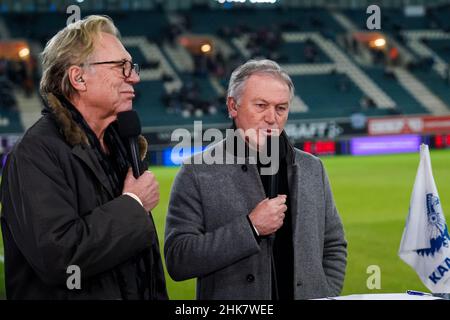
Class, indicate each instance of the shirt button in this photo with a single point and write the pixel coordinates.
(250, 278)
(299, 283)
(244, 168)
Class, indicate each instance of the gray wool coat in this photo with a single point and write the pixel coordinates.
(208, 236)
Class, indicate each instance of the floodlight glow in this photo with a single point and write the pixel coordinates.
(205, 48)
(380, 42)
(24, 52)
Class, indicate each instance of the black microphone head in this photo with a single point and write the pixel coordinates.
(129, 124)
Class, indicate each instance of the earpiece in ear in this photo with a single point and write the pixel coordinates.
(80, 80)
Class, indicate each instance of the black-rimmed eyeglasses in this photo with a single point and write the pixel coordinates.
(127, 66)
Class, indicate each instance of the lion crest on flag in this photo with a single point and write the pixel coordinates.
(437, 228)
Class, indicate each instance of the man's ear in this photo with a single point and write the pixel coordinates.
(75, 74)
(232, 107)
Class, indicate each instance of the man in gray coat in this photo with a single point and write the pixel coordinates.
(222, 227)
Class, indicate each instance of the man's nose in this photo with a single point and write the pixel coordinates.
(133, 78)
(270, 116)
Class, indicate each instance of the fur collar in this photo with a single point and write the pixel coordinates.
(72, 132)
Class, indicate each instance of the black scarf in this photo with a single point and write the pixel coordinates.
(283, 252)
(116, 163)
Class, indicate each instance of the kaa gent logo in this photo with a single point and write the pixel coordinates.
(74, 280)
(437, 228)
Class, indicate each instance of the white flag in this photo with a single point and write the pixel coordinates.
(425, 241)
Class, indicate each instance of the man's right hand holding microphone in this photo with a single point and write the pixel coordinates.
(267, 217)
(146, 188)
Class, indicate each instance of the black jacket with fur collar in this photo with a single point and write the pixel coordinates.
(59, 210)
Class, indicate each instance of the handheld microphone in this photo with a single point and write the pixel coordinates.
(130, 128)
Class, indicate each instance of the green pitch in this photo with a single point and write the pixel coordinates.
(372, 195)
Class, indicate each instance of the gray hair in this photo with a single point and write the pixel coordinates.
(251, 67)
(71, 46)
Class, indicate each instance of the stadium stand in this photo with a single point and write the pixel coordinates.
(335, 72)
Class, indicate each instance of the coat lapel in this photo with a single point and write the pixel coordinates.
(88, 157)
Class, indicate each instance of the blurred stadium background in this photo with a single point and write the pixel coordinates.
(369, 96)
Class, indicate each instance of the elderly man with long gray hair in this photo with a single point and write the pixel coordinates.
(76, 224)
(223, 228)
